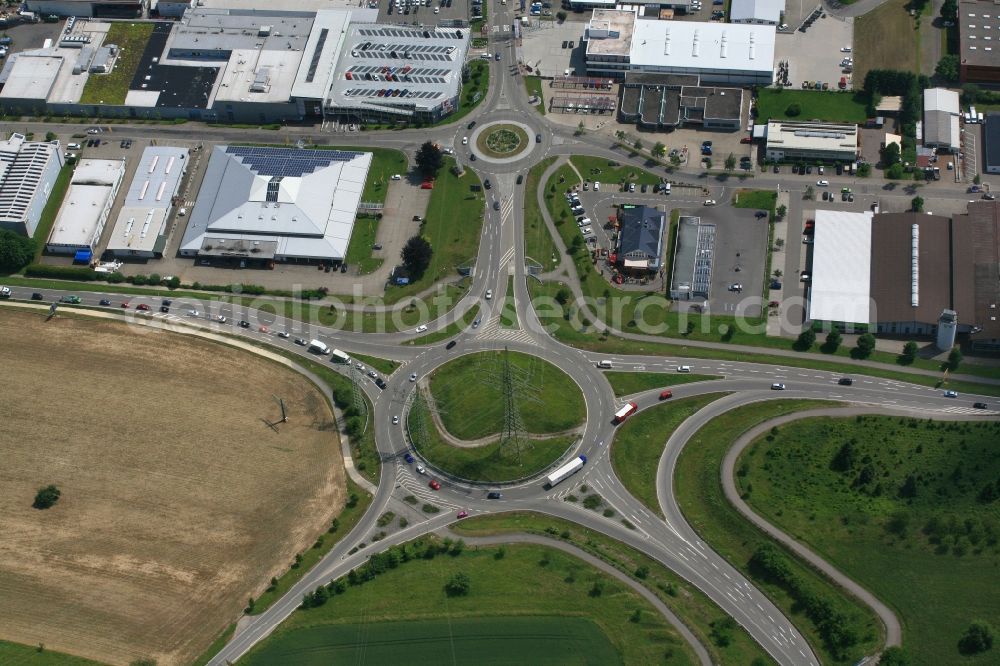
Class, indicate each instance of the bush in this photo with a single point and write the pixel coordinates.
(806, 340)
(458, 585)
(78, 273)
(977, 638)
(793, 110)
(46, 497)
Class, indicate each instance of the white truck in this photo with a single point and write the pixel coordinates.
(567, 470)
(317, 347)
(340, 357)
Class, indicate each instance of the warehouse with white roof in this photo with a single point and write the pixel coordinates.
(263, 204)
(840, 283)
(141, 227)
(86, 207)
(941, 113)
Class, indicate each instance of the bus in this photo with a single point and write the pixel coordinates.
(626, 411)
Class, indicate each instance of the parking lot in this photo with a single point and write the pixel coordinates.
(542, 47)
(740, 252)
(422, 12)
(814, 55)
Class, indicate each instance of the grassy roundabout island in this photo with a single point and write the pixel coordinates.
(456, 421)
(502, 140)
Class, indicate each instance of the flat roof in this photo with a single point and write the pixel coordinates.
(322, 50)
(32, 76)
(979, 34)
(840, 288)
(991, 135)
(763, 10)
(86, 201)
(619, 24)
(262, 76)
(142, 218)
(738, 47)
(983, 224)
(815, 136)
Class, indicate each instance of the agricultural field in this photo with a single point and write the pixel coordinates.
(910, 509)
(524, 604)
(178, 501)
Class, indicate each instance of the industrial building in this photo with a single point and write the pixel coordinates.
(142, 227)
(978, 50)
(28, 173)
(618, 41)
(991, 137)
(789, 141)
(762, 12)
(262, 205)
(669, 101)
(909, 274)
(640, 240)
(86, 207)
(120, 9)
(694, 254)
(941, 120)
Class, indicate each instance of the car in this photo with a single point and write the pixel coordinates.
(951, 394)
(980, 405)
(36, 296)
(706, 144)
(643, 188)
(746, 139)
(709, 202)
(421, 328)
(343, 268)
(777, 386)
(465, 140)
(775, 284)
(451, 345)
(472, 157)
(142, 307)
(395, 420)
(777, 169)
(193, 313)
(845, 381)
(244, 323)
(597, 186)
(73, 146)
(434, 484)
(759, 214)
(666, 393)
(804, 277)
(520, 178)
(487, 184)
(845, 49)
(736, 286)
(496, 56)
(683, 368)
(462, 514)
(104, 301)
(94, 130)
(989, 196)
(413, 377)
(437, 10)
(475, 324)
(167, 302)
(420, 469)
(496, 205)
(822, 183)
(631, 187)
(380, 383)
(360, 366)
(301, 342)
(396, 176)
(471, 124)
(489, 294)
(264, 329)
(221, 319)
(538, 138)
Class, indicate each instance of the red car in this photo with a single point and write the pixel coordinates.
(434, 484)
(666, 393)
(125, 305)
(462, 514)
(264, 329)
(142, 306)
(746, 139)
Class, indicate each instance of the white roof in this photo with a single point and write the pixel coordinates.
(253, 75)
(841, 277)
(707, 46)
(762, 10)
(105, 173)
(142, 218)
(316, 70)
(32, 77)
(940, 99)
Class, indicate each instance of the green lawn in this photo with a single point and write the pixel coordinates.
(932, 557)
(884, 38)
(383, 365)
(470, 398)
(448, 331)
(538, 243)
(627, 383)
(452, 224)
(478, 84)
(527, 585)
(842, 107)
(698, 490)
(51, 209)
(508, 316)
(598, 168)
(533, 84)
(359, 251)
(16, 654)
(639, 443)
(131, 39)
(696, 610)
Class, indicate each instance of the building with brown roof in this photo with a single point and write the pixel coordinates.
(981, 258)
(978, 43)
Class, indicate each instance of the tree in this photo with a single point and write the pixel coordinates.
(658, 150)
(909, 354)
(805, 340)
(890, 155)
(638, 144)
(561, 16)
(949, 10)
(46, 497)
(947, 68)
(809, 192)
(580, 129)
(917, 204)
(894, 656)
(416, 255)
(708, 162)
(50, 136)
(730, 162)
(832, 343)
(977, 180)
(563, 296)
(954, 359)
(909, 487)
(865, 346)
(429, 159)
(675, 160)
(793, 110)
(780, 212)
(16, 251)
(977, 638)
(777, 272)
(843, 461)
(458, 585)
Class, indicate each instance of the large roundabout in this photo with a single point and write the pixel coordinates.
(503, 142)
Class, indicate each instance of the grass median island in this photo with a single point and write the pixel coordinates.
(910, 509)
(505, 140)
(508, 315)
(383, 365)
(627, 383)
(111, 89)
(530, 603)
(533, 84)
(448, 331)
(538, 243)
(696, 610)
(470, 399)
(828, 105)
(639, 442)
(838, 627)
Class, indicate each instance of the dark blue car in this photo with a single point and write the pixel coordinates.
(408, 458)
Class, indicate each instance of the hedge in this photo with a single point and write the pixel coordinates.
(78, 273)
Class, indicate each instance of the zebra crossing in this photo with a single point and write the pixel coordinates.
(970, 410)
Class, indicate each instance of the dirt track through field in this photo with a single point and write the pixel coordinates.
(178, 501)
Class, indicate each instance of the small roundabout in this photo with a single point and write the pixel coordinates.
(459, 417)
(503, 141)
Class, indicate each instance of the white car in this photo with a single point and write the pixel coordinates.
(413, 377)
(421, 328)
(597, 186)
(846, 49)
(437, 10)
(822, 183)
(220, 319)
(587, 231)
(709, 202)
(421, 470)
(465, 140)
(489, 294)
(396, 176)
(631, 187)
(683, 368)
(193, 313)
(395, 420)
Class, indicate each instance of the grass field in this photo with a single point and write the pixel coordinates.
(533, 84)
(932, 557)
(884, 38)
(639, 442)
(527, 586)
(448, 331)
(696, 610)
(627, 383)
(131, 39)
(598, 168)
(15, 654)
(452, 224)
(699, 493)
(538, 243)
(178, 501)
(841, 107)
(51, 209)
(469, 398)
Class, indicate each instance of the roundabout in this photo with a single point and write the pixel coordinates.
(503, 142)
